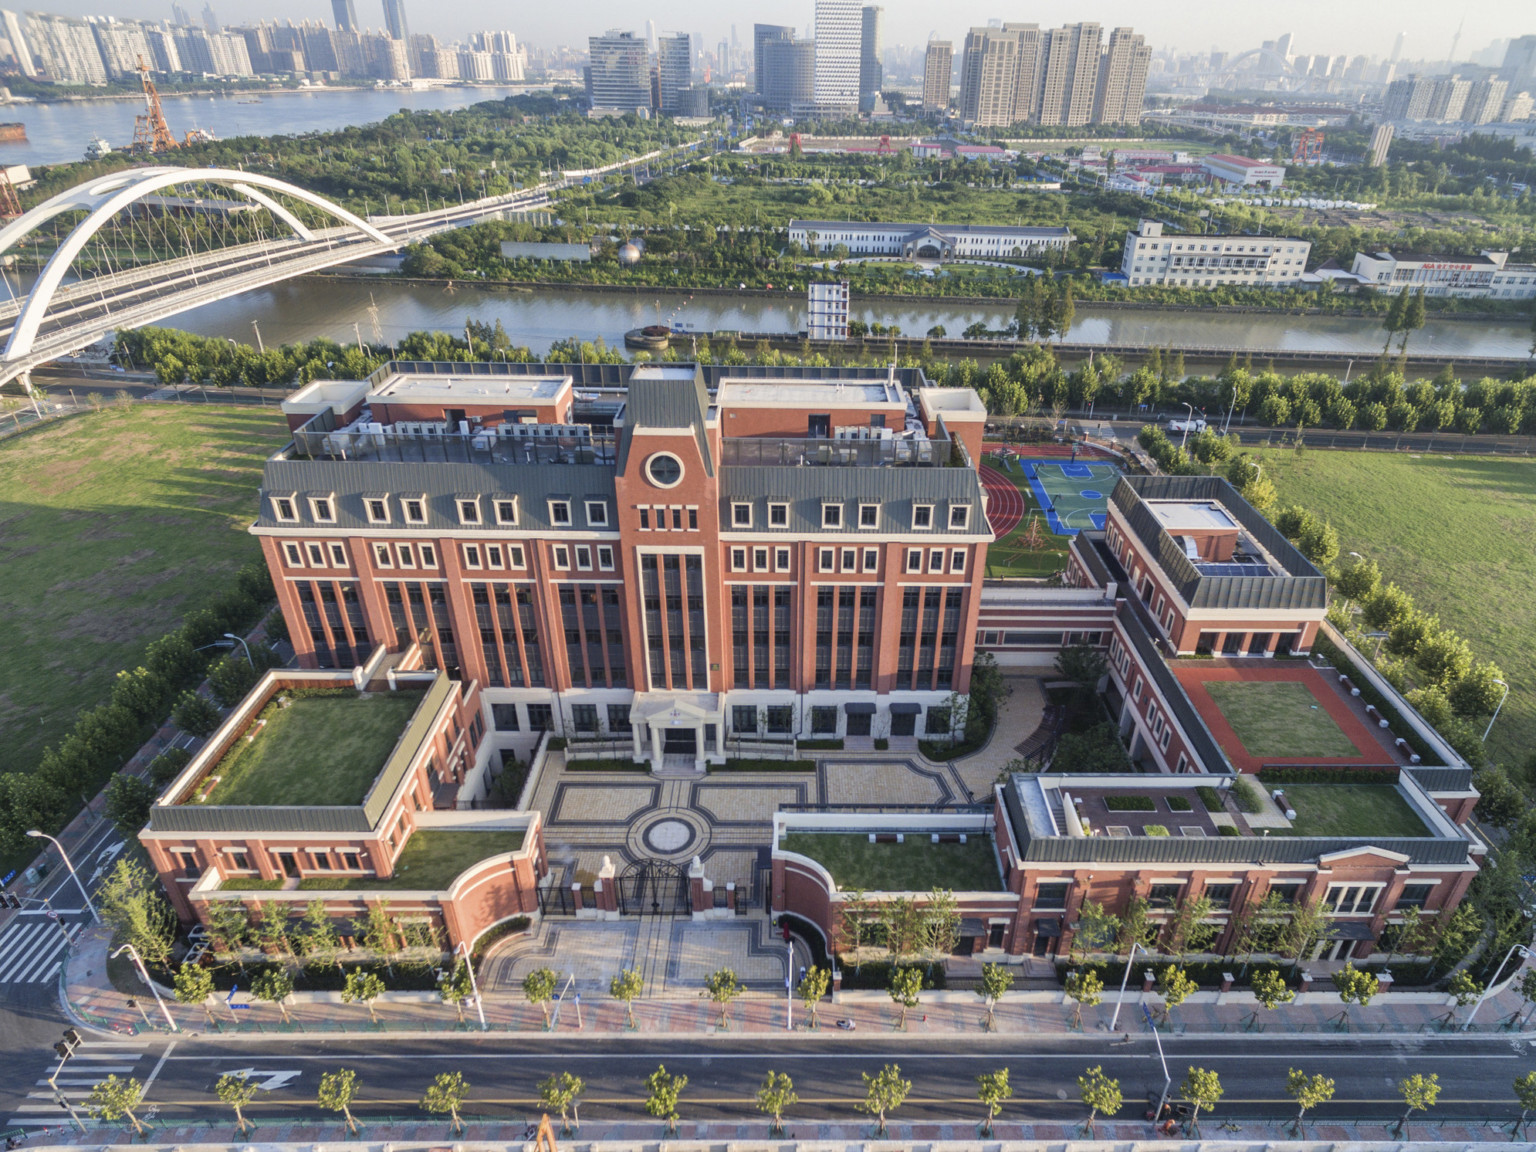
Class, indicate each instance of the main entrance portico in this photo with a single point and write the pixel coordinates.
(677, 727)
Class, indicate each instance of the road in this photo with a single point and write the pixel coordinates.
(724, 1072)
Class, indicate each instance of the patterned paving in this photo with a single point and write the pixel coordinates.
(747, 803)
(702, 948)
(608, 803)
(868, 782)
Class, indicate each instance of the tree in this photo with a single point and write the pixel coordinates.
(1525, 1093)
(1189, 929)
(1420, 1093)
(130, 901)
(274, 985)
(1100, 1093)
(562, 1094)
(1175, 987)
(539, 988)
(1464, 988)
(194, 985)
(722, 987)
(113, 1099)
(380, 933)
(1358, 581)
(1528, 993)
(363, 987)
(813, 986)
(1084, 987)
(456, 987)
(129, 800)
(337, 1091)
(1393, 322)
(317, 936)
(905, 989)
(993, 1090)
(853, 920)
(1270, 990)
(237, 1091)
(940, 919)
(1355, 987)
(884, 1092)
(446, 1093)
(776, 1094)
(1307, 1092)
(1134, 923)
(196, 715)
(1305, 928)
(1413, 318)
(1096, 929)
(996, 979)
(1082, 664)
(664, 1089)
(626, 988)
(1203, 1089)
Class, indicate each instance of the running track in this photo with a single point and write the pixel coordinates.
(1005, 503)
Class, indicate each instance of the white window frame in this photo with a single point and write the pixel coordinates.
(957, 560)
(605, 557)
(914, 559)
(428, 555)
(778, 515)
(293, 554)
(314, 555)
(382, 556)
(826, 559)
(560, 557)
(494, 556)
(781, 561)
(601, 508)
(741, 514)
(1331, 904)
(289, 503)
(329, 502)
(871, 559)
(339, 557)
(409, 502)
(849, 559)
(472, 556)
(557, 521)
(516, 557)
(376, 503)
(936, 560)
(926, 509)
(470, 504)
(738, 559)
(583, 557)
(406, 555)
(832, 515)
(875, 508)
(503, 504)
(964, 511)
(759, 559)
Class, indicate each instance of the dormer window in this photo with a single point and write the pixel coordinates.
(597, 514)
(869, 515)
(415, 508)
(831, 515)
(506, 511)
(741, 515)
(560, 513)
(285, 510)
(469, 509)
(778, 515)
(922, 515)
(959, 516)
(377, 509)
(323, 509)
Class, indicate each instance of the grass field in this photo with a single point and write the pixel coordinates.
(432, 860)
(1010, 557)
(321, 751)
(1454, 532)
(1351, 810)
(1279, 719)
(113, 525)
(917, 865)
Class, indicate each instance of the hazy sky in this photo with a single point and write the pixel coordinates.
(1319, 26)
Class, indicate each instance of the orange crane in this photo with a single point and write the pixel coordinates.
(150, 132)
(1309, 147)
(10, 206)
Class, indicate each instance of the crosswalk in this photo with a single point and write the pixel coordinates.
(32, 949)
(92, 1063)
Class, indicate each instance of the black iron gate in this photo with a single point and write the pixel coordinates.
(654, 888)
(555, 898)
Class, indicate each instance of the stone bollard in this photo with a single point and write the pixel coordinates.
(1227, 980)
(576, 904)
(1306, 982)
(1147, 980)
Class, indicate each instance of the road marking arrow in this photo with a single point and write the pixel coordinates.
(266, 1081)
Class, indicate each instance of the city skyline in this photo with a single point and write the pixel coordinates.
(1429, 29)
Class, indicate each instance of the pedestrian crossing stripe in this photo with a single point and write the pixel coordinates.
(31, 952)
(97, 1059)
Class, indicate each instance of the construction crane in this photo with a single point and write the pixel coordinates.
(10, 206)
(151, 134)
(1309, 147)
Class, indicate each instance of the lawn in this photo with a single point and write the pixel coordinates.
(1010, 557)
(113, 526)
(320, 751)
(915, 866)
(432, 859)
(1456, 533)
(1279, 718)
(1351, 810)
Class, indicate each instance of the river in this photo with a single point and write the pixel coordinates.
(310, 308)
(59, 132)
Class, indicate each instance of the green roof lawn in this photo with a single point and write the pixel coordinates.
(431, 860)
(915, 866)
(1279, 718)
(320, 751)
(1377, 810)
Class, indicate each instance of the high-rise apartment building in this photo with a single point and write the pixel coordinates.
(839, 38)
(871, 71)
(1122, 78)
(764, 34)
(938, 68)
(789, 74)
(1485, 101)
(122, 43)
(1519, 67)
(65, 49)
(394, 20)
(1069, 74)
(1381, 140)
(1449, 99)
(345, 14)
(211, 19)
(989, 77)
(1026, 88)
(618, 79)
(21, 47)
(1408, 98)
(674, 70)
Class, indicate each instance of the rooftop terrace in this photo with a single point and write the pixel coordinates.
(809, 392)
(916, 865)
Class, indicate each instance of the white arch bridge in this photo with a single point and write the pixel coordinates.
(60, 315)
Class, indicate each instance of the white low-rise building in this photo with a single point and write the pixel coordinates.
(1488, 275)
(1243, 171)
(1186, 261)
(927, 241)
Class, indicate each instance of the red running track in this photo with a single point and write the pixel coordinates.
(1005, 503)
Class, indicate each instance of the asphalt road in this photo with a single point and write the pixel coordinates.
(724, 1073)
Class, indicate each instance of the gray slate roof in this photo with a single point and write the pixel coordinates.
(896, 490)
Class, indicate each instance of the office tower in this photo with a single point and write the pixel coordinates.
(650, 36)
(674, 70)
(1397, 47)
(619, 78)
(1122, 79)
(210, 18)
(1381, 140)
(345, 13)
(394, 20)
(938, 67)
(180, 16)
(871, 72)
(1283, 46)
(66, 49)
(789, 74)
(989, 77)
(20, 47)
(1485, 101)
(1069, 74)
(839, 33)
(763, 34)
(1519, 67)
(723, 57)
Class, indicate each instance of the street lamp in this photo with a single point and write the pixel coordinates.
(95, 915)
(1135, 944)
(1190, 420)
(1525, 954)
(474, 987)
(1495, 715)
(1167, 1077)
(241, 641)
(139, 963)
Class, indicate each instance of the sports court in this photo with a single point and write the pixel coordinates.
(1073, 495)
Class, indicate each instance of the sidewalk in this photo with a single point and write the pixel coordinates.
(95, 1004)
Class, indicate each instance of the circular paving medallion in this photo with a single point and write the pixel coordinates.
(668, 836)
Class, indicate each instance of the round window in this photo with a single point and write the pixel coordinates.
(664, 470)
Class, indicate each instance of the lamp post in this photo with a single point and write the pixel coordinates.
(241, 641)
(473, 986)
(86, 896)
(1135, 944)
(143, 975)
(1187, 422)
(1525, 954)
(1167, 1078)
(1495, 715)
